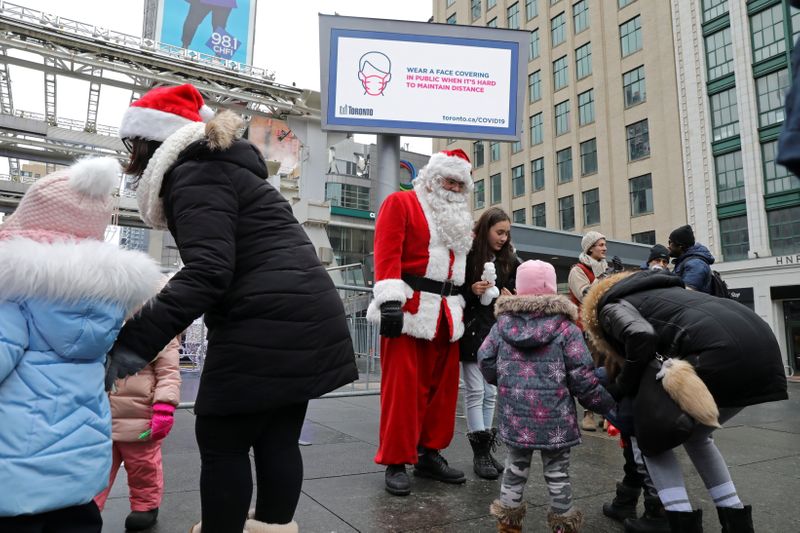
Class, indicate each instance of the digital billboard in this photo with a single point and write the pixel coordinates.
(222, 28)
(413, 78)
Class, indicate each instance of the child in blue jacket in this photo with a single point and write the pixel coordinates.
(63, 297)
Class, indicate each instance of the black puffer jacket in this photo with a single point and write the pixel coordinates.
(277, 332)
(734, 351)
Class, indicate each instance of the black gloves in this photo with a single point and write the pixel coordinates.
(616, 264)
(391, 319)
(121, 363)
(615, 391)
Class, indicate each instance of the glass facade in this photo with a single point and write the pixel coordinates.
(638, 136)
(566, 213)
(564, 165)
(730, 177)
(347, 195)
(769, 38)
(724, 114)
(714, 8)
(784, 227)
(719, 54)
(734, 238)
(777, 178)
(771, 90)
(350, 245)
(641, 192)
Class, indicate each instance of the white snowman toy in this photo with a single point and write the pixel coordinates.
(490, 275)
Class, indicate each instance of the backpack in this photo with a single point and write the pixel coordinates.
(718, 286)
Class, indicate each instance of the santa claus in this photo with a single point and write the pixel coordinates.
(421, 242)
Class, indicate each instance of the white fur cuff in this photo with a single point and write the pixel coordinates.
(387, 290)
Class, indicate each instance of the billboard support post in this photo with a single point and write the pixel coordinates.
(388, 167)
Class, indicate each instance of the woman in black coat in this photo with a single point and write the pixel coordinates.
(633, 317)
(277, 333)
(491, 244)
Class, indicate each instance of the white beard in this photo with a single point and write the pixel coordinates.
(450, 213)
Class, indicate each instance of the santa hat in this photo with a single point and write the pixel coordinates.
(75, 203)
(450, 164)
(536, 278)
(163, 111)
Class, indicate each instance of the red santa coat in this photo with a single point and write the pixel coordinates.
(405, 244)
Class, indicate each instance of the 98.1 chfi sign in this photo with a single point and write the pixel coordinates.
(414, 78)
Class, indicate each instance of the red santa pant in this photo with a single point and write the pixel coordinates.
(145, 475)
(419, 391)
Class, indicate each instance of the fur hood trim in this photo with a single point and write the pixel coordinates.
(72, 270)
(220, 133)
(549, 304)
(590, 320)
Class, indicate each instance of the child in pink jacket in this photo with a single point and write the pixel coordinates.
(142, 415)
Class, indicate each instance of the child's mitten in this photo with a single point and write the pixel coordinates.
(162, 420)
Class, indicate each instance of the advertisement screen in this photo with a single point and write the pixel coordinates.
(221, 28)
(416, 84)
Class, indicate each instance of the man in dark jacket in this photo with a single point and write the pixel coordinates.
(277, 337)
(632, 318)
(789, 140)
(692, 259)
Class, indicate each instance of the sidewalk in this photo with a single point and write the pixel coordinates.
(343, 488)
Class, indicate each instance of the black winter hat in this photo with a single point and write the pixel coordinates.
(659, 251)
(683, 236)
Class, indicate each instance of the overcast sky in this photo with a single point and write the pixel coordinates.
(286, 41)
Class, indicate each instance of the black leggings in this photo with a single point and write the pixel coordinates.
(76, 519)
(197, 13)
(226, 483)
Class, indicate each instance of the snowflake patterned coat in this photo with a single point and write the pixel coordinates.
(537, 357)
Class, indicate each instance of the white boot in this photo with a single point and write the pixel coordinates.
(254, 526)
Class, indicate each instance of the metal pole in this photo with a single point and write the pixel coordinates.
(388, 168)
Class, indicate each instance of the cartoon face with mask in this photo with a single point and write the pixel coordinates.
(375, 72)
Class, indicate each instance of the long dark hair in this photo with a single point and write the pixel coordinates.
(141, 152)
(482, 252)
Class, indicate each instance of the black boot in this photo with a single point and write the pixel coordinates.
(624, 504)
(683, 522)
(654, 519)
(500, 467)
(431, 464)
(140, 520)
(736, 520)
(481, 462)
(397, 481)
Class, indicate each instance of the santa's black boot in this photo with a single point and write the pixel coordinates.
(397, 480)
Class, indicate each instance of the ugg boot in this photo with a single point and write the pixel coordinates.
(588, 424)
(431, 464)
(685, 522)
(654, 519)
(481, 442)
(140, 520)
(509, 519)
(736, 520)
(569, 522)
(624, 504)
(500, 467)
(254, 526)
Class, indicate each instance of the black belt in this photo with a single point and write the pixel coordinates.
(442, 288)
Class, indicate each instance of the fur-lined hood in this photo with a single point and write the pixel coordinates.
(543, 305)
(531, 321)
(591, 321)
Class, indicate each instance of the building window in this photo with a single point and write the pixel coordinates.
(583, 61)
(346, 195)
(477, 154)
(516, 147)
(730, 177)
(769, 38)
(535, 86)
(492, 23)
(784, 227)
(564, 165)
(537, 129)
(630, 36)
(795, 23)
(562, 117)
(566, 213)
(490, 4)
(479, 195)
(537, 174)
(497, 188)
(518, 216)
(633, 86)
(591, 207)
(451, 19)
(623, 3)
(719, 54)
(580, 16)
(494, 151)
(538, 213)
(638, 135)
(351, 245)
(771, 90)
(560, 73)
(476, 9)
(641, 191)
(531, 9)
(777, 178)
(645, 237)
(518, 180)
(734, 237)
(724, 114)
(512, 16)
(450, 2)
(714, 8)
(586, 108)
(588, 157)
(533, 48)
(558, 29)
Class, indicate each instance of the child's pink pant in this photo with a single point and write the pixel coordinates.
(145, 475)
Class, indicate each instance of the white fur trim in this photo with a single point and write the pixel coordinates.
(456, 306)
(254, 526)
(449, 166)
(150, 124)
(71, 270)
(387, 290)
(151, 206)
(206, 113)
(95, 176)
